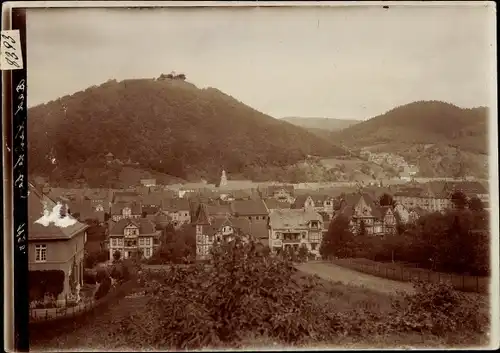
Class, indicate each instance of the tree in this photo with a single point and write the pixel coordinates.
(459, 199)
(117, 256)
(337, 240)
(475, 204)
(386, 200)
(303, 253)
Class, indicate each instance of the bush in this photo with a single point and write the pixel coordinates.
(104, 287)
(101, 274)
(45, 282)
(91, 259)
(243, 291)
(117, 255)
(121, 271)
(89, 278)
(438, 309)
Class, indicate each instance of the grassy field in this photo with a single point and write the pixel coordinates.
(331, 272)
(102, 332)
(403, 273)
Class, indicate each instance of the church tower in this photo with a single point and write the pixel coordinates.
(223, 179)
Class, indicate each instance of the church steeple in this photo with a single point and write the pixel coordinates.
(223, 179)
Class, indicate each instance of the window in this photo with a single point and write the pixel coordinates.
(126, 212)
(141, 241)
(148, 241)
(120, 242)
(147, 252)
(114, 242)
(40, 253)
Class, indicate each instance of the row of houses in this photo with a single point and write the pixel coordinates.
(280, 218)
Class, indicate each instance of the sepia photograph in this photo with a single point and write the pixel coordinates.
(214, 176)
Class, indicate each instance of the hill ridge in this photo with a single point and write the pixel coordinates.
(169, 126)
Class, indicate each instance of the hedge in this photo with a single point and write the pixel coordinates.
(45, 282)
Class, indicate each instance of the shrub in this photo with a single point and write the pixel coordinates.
(46, 282)
(101, 274)
(243, 291)
(117, 255)
(89, 278)
(104, 287)
(121, 271)
(438, 309)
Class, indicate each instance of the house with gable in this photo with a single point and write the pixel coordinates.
(402, 212)
(469, 188)
(415, 214)
(54, 246)
(125, 210)
(130, 236)
(363, 212)
(273, 204)
(178, 209)
(211, 230)
(255, 210)
(125, 196)
(282, 193)
(316, 202)
(293, 228)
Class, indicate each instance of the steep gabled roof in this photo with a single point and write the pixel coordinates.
(154, 198)
(249, 207)
(145, 226)
(292, 218)
(37, 231)
(299, 202)
(175, 204)
(273, 204)
(202, 215)
(126, 196)
(117, 208)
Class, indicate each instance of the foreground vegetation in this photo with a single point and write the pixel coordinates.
(248, 298)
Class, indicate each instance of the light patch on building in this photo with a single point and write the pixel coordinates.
(54, 216)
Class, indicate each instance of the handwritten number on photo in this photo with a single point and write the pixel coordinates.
(11, 50)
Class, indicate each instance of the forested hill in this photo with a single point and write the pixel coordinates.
(166, 125)
(424, 122)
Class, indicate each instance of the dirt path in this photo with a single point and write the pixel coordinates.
(333, 272)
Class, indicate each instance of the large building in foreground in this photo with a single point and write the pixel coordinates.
(56, 241)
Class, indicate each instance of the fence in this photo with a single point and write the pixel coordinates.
(43, 319)
(405, 274)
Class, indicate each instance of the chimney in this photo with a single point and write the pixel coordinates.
(63, 212)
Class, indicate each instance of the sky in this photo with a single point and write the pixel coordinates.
(345, 63)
